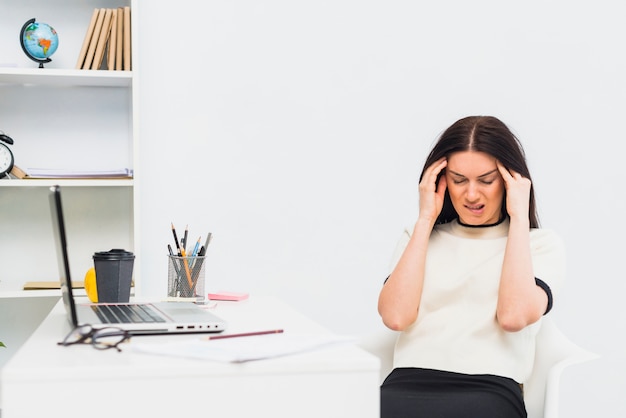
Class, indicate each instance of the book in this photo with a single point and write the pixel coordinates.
(107, 42)
(119, 48)
(102, 41)
(87, 40)
(127, 41)
(112, 45)
(86, 64)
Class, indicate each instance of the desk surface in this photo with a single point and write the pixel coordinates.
(334, 381)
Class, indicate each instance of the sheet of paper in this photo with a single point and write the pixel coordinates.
(43, 173)
(242, 349)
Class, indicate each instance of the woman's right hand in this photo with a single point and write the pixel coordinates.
(399, 299)
(432, 194)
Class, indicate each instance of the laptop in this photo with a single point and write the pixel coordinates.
(135, 317)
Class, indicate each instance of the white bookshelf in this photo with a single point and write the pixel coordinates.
(64, 118)
(68, 183)
(66, 78)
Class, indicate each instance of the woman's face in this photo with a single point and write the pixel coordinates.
(475, 187)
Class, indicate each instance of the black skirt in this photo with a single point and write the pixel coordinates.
(421, 393)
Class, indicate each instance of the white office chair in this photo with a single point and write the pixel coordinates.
(554, 352)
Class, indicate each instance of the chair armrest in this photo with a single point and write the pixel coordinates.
(551, 405)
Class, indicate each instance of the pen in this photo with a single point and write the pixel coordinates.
(177, 282)
(169, 248)
(195, 248)
(198, 263)
(184, 242)
(194, 253)
(245, 334)
(195, 272)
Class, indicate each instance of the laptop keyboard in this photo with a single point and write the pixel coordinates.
(125, 314)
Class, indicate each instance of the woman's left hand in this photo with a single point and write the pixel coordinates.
(517, 192)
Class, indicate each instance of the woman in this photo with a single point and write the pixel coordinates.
(473, 276)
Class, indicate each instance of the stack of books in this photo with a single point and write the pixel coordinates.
(107, 44)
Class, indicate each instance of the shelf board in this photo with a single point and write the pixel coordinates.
(18, 292)
(28, 293)
(67, 182)
(58, 77)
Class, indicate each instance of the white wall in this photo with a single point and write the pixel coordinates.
(296, 131)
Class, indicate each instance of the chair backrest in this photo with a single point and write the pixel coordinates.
(553, 352)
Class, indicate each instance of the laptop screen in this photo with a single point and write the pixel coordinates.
(58, 226)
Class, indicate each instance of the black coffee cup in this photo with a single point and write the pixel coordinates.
(114, 272)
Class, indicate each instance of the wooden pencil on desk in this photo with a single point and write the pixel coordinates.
(245, 334)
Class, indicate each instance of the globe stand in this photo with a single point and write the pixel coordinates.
(38, 60)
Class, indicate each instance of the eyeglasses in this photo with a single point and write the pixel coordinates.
(102, 338)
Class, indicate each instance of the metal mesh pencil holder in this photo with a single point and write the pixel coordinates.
(185, 278)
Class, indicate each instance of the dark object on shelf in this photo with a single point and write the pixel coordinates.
(6, 156)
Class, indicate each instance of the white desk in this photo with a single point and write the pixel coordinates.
(44, 379)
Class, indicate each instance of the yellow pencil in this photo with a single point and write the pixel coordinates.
(187, 272)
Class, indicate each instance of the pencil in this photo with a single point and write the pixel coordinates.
(188, 273)
(245, 334)
(176, 239)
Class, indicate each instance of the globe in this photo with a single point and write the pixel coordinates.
(39, 41)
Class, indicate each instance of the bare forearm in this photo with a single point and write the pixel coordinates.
(398, 302)
(520, 301)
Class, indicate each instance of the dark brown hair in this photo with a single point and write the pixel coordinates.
(484, 134)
